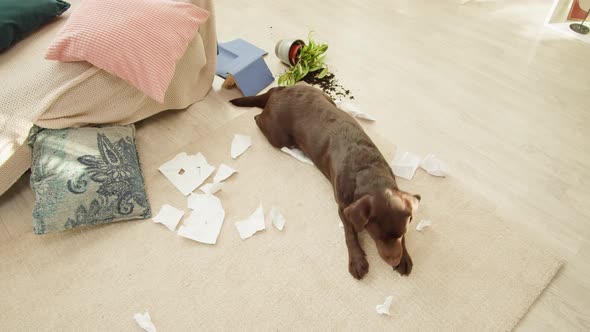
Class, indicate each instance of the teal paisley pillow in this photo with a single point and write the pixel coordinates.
(85, 176)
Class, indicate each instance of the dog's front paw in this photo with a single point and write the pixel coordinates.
(405, 265)
(358, 266)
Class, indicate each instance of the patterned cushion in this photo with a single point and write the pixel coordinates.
(139, 41)
(85, 176)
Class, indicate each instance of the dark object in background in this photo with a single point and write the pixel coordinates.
(19, 18)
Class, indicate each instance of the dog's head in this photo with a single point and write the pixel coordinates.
(385, 215)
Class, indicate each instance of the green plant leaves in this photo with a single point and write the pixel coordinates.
(286, 79)
(311, 59)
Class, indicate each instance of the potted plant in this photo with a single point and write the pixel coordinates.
(287, 50)
(302, 58)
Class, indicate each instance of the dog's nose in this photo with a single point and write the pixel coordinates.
(418, 197)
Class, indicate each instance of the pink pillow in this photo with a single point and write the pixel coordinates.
(139, 41)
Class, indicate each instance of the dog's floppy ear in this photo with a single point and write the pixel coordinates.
(359, 211)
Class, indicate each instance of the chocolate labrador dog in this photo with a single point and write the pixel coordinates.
(364, 185)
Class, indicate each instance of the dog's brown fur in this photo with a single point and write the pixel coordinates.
(364, 185)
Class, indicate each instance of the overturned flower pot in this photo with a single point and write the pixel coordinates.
(287, 50)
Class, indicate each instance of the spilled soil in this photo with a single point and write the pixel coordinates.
(329, 84)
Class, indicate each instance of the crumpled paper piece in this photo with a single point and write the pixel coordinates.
(277, 218)
(145, 321)
(253, 224)
(423, 224)
(211, 187)
(223, 173)
(187, 172)
(404, 164)
(383, 309)
(351, 109)
(434, 166)
(240, 144)
(204, 223)
(168, 216)
(297, 154)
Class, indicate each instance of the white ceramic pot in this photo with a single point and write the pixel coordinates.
(287, 49)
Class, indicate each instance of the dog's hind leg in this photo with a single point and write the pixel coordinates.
(273, 132)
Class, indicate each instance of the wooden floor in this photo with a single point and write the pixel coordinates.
(483, 84)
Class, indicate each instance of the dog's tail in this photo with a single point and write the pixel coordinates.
(255, 101)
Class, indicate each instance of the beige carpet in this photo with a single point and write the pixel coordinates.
(471, 271)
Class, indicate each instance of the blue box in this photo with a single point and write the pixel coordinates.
(241, 64)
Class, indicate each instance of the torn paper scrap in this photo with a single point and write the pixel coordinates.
(351, 109)
(211, 187)
(187, 172)
(253, 224)
(223, 173)
(145, 321)
(383, 309)
(434, 166)
(240, 144)
(423, 224)
(277, 218)
(204, 223)
(404, 164)
(169, 216)
(297, 154)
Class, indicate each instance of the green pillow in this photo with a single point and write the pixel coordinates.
(18, 18)
(85, 176)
